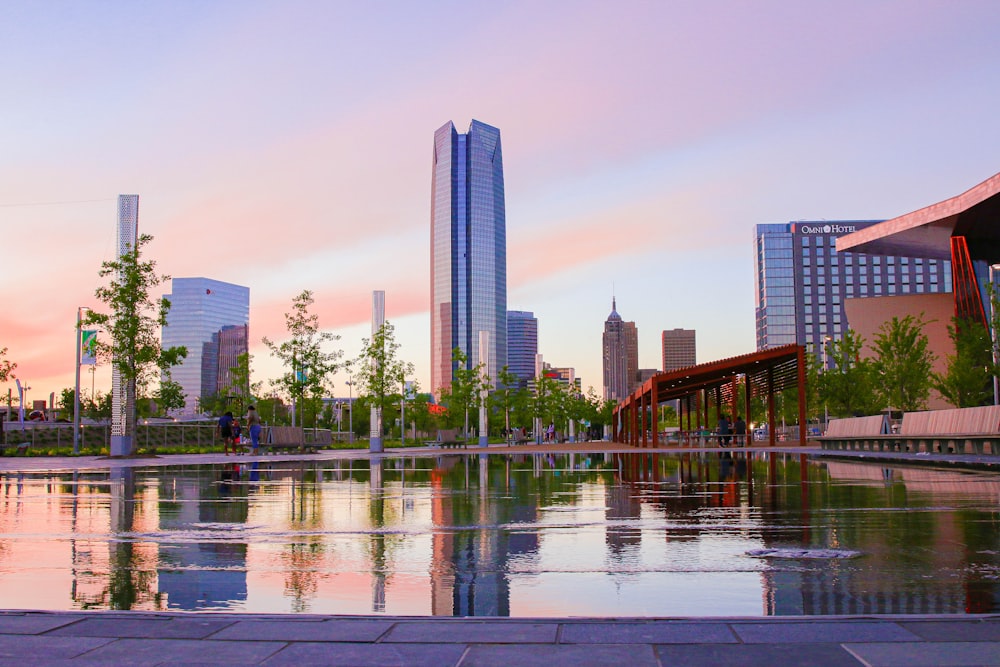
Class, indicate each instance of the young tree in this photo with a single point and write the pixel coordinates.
(6, 367)
(847, 385)
(379, 373)
(133, 326)
(903, 364)
(464, 391)
(169, 396)
(309, 366)
(966, 383)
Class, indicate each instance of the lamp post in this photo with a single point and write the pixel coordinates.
(76, 393)
(350, 407)
(826, 409)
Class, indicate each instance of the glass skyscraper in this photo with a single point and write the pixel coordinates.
(211, 319)
(620, 351)
(468, 250)
(522, 345)
(801, 280)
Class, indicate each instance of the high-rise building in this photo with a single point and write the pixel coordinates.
(522, 345)
(621, 356)
(211, 319)
(468, 250)
(679, 349)
(802, 281)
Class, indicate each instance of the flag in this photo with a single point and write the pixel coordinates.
(88, 351)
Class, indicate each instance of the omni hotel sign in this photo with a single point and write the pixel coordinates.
(824, 229)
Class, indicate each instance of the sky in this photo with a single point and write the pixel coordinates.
(287, 146)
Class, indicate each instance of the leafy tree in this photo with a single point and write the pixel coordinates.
(379, 373)
(309, 366)
(966, 383)
(67, 400)
(133, 326)
(169, 396)
(6, 367)
(847, 385)
(903, 364)
(464, 391)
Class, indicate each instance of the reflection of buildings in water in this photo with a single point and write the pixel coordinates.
(944, 540)
(205, 572)
(471, 549)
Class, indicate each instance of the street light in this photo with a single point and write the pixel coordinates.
(826, 367)
(350, 407)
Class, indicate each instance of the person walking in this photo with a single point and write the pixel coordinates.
(724, 430)
(224, 429)
(740, 428)
(253, 424)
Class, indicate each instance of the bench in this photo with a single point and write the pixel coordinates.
(871, 433)
(320, 438)
(288, 437)
(18, 447)
(447, 438)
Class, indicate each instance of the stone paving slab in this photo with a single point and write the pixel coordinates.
(29, 646)
(820, 631)
(292, 630)
(647, 633)
(377, 655)
(756, 655)
(926, 654)
(548, 655)
(955, 631)
(20, 623)
(207, 651)
(166, 627)
(469, 631)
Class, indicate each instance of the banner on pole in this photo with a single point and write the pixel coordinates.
(88, 351)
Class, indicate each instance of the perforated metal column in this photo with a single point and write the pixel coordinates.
(122, 400)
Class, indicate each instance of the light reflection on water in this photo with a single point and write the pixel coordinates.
(504, 535)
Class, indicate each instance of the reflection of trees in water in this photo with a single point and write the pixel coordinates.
(301, 563)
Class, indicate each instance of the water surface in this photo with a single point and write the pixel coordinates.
(506, 535)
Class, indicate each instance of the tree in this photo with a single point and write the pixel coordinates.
(966, 383)
(6, 367)
(169, 396)
(379, 373)
(309, 366)
(133, 326)
(903, 364)
(847, 385)
(464, 391)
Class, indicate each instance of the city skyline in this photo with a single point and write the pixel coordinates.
(285, 148)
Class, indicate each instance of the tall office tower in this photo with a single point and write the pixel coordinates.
(468, 250)
(801, 280)
(678, 349)
(632, 356)
(211, 319)
(621, 356)
(522, 345)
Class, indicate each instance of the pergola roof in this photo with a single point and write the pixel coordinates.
(927, 232)
(781, 363)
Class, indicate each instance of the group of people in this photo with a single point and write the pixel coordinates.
(727, 430)
(231, 431)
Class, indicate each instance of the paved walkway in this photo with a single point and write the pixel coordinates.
(42, 639)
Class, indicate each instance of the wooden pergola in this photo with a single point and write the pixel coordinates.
(763, 373)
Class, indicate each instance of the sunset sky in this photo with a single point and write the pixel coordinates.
(287, 146)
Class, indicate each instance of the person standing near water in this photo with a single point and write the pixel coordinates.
(253, 424)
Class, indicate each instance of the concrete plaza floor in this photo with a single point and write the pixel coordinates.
(44, 638)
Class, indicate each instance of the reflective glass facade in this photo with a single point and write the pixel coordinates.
(801, 280)
(468, 250)
(522, 345)
(211, 319)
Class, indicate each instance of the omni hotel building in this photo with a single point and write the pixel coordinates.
(802, 282)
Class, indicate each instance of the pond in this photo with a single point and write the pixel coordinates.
(524, 535)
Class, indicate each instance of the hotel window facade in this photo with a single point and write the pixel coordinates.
(801, 281)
